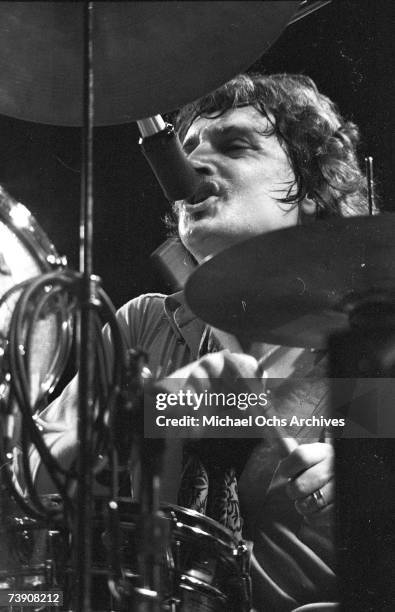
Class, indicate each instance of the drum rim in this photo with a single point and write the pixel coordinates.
(207, 519)
(167, 507)
(101, 500)
(32, 235)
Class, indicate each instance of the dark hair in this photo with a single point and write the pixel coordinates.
(321, 144)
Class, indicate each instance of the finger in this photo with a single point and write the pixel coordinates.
(310, 480)
(310, 504)
(209, 366)
(305, 456)
(231, 364)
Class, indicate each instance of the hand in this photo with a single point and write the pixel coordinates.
(225, 365)
(218, 372)
(311, 484)
(215, 375)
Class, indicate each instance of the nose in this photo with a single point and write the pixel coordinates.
(202, 160)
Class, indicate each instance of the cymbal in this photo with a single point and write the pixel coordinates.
(149, 57)
(294, 286)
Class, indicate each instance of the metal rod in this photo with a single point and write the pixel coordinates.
(306, 8)
(369, 182)
(83, 534)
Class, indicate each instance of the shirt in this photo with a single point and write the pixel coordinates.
(173, 337)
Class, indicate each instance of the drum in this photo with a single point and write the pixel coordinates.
(203, 567)
(25, 253)
(211, 569)
(33, 554)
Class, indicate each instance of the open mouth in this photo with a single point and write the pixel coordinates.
(203, 192)
(198, 209)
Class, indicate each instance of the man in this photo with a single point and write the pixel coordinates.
(272, 152)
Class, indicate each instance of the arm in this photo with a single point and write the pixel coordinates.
(290, 565)
(58, 422)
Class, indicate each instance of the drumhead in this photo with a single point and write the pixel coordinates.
(25, 253)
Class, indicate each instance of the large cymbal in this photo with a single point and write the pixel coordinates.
(292, 286)
(149, 57)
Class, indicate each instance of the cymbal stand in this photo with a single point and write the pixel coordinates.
(147, 595)
(86, 332)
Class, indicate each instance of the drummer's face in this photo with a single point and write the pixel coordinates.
(246, 171)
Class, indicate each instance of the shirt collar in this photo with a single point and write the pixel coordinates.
(184, 322)
(177, 310)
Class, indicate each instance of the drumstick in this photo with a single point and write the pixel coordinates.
(286, 443)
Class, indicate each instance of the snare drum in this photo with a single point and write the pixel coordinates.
(26, 252)
(203, 567)
(211, 568)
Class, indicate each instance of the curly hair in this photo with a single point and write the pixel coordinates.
(321, 144)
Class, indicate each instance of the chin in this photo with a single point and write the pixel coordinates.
(203, 239)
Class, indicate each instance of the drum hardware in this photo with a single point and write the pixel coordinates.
(201, 561)
(211, 569)
(370, 184)
(34, 551)
(107, 389)
(127, 439)
(37, 296)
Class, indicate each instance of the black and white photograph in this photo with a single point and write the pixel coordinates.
(197, 306)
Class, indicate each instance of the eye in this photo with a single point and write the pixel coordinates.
(236, 145)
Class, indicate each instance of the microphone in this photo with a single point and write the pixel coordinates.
(163, 151)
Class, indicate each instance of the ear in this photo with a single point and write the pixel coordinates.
(308, 206)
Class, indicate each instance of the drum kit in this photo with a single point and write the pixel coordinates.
(87, 64)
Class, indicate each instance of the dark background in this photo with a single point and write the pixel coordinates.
(347, 47)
